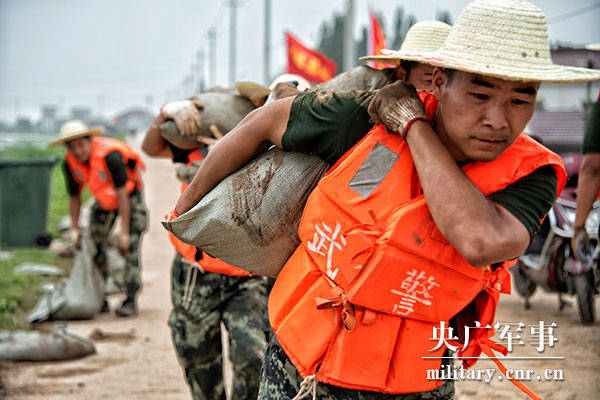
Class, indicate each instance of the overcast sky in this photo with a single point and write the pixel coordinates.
(112, 54)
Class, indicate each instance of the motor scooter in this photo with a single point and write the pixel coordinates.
(549, 261)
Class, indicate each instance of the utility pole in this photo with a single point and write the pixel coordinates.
(212, 56)
(199, 87)
(267, 44)
(348, 38)
(233, 5)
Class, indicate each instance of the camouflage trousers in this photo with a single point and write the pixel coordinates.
(101, 223)
(241, 304)
(279, 380)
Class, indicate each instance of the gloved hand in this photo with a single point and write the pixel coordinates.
(123, 243)
(75, 237)
(185, 114)
(397, 106)
(579, 242)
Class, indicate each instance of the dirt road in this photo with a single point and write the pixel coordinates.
(146, 368)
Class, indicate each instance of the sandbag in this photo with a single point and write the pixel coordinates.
(36, 346)
(360, 78)
(251, 218)
(79, 297)
(224, 110)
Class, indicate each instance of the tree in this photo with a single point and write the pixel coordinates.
(332, 39)
(362, 45)
(444, 16)
(402, 24)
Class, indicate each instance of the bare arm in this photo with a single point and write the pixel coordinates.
(124, 209)
(154, 145)
(256, 132)
(74, 209)
(588, 185)
(482, 231)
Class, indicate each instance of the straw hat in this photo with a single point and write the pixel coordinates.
(422, 38)
(506, 39)
(75, 129)
(593, 46)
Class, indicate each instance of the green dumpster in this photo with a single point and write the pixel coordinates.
(24, 198)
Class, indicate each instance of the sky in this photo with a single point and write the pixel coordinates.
(115, 54)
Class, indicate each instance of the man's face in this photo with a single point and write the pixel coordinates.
(420, 77)
(479, 117)
(80, 148)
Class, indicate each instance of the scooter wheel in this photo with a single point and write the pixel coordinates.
(584, 289)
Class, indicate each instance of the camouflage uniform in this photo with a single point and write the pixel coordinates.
(279, 380)
(102, 221)
(241, 304)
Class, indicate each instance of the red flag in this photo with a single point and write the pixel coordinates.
(308, 63)
(377, 42)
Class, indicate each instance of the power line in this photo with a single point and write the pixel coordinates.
(573, 13)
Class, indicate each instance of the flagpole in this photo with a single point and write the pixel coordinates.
(348, 36)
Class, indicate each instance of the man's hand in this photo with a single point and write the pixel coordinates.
(579, 241)
(75, 237)
(185, 114)
(211, 142)
(123, 243)
(397, 106)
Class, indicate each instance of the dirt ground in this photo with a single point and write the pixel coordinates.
(145, 367)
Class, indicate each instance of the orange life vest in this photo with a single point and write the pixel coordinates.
(356, 303)
(193, 254)
(96, 175)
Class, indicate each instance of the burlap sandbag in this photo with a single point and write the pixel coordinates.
(251, 218)
(36, 346)
(224, 110)
(360, 78)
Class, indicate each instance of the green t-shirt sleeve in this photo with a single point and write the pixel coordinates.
(116, 168)
(530, 198)
(327, 124)
(591, 142)
(73, 188)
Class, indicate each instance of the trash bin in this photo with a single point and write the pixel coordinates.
(24, 198)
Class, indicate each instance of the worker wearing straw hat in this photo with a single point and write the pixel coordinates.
(110, 168)
(422, 38)
(412, 230)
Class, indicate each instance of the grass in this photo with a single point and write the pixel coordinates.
(19, 293)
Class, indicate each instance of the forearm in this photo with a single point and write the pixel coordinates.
(481, 231)
(588, 185)
(154, 145)
(254, 134)
(124, 208)
(74, 209)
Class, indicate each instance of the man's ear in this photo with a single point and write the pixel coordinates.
(438, 82)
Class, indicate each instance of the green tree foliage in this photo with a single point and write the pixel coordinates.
(332, 39)
(362, 45)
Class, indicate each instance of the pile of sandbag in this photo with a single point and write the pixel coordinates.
(359, 78)
(250, 219)
(78, 297)
(36, 346)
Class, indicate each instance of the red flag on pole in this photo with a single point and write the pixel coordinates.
(308, 63)
(377, 41)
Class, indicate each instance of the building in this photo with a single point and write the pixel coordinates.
(83, 113)
(48, 123)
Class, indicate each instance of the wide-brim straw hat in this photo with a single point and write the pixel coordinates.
(422, 38)
(75, 129)
(506, 39)
(593, 46)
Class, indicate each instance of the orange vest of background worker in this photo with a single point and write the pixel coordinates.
(357, 302)
(96, 175)
(110, 169)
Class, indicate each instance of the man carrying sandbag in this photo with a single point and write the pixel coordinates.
(110, 168)
(206, 291)
(413, 228)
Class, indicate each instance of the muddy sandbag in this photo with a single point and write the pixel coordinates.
(79, 297)
(360, 78)
(251, 218)
(224, 110)
(36, 346)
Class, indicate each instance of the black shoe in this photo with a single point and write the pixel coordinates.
(128, 308)
(105, 307)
